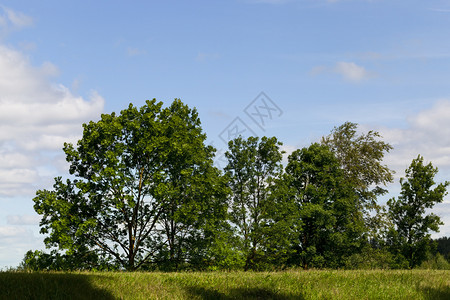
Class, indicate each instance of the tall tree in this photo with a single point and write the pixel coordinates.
(252, 166)
(329, 223)
(135, 173)
(194, 190)
(360, 157)
(411, 235)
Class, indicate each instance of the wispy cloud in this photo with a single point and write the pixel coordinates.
(349, 71)
(18, 19)
(13, 20)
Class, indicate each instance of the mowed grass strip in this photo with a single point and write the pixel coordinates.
(315, 284)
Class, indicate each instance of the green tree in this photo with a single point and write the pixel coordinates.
(194, 191)
(410, 237)
(252, 167)
(144, 183)
(329, 224)
(360, 157)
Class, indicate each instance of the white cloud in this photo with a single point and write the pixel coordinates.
(350, 71)
(427, 133)
(36, 118)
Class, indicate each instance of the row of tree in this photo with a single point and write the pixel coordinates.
(144, 194)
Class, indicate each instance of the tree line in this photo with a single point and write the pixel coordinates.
(144, 194)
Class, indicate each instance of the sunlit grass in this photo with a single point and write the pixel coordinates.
(330, 284)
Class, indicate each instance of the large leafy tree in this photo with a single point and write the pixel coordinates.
(143, 182)
(194, 191)
(253, 165)
(360, 157)
(411, 235)
(329, 225)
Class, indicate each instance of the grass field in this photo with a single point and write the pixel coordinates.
(377, 284)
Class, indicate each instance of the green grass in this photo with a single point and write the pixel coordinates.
(377, 284)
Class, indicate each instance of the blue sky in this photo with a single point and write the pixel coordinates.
(384, 64)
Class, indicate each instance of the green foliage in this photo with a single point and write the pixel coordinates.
(144, 195)
(55, 261)
(360, 157)
(329, 225)
(411, 237)
(374, 258)
(252, 167)
(435, 262)
(144, 189)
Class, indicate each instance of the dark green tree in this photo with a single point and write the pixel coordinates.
(329, 224)
(410, 237)
(252, 167)
(144, 184)
(360, 156)
(443, 246)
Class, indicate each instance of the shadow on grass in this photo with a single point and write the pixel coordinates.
(17, 285)
(239, 293)
(435, 293)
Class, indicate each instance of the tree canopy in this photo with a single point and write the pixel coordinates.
(144, 183)
(143, 193)
(329, 224)
(360, 157)
(252, 166)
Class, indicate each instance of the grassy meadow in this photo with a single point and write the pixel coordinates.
(315, 284)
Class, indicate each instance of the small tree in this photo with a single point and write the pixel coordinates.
(410, 237)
